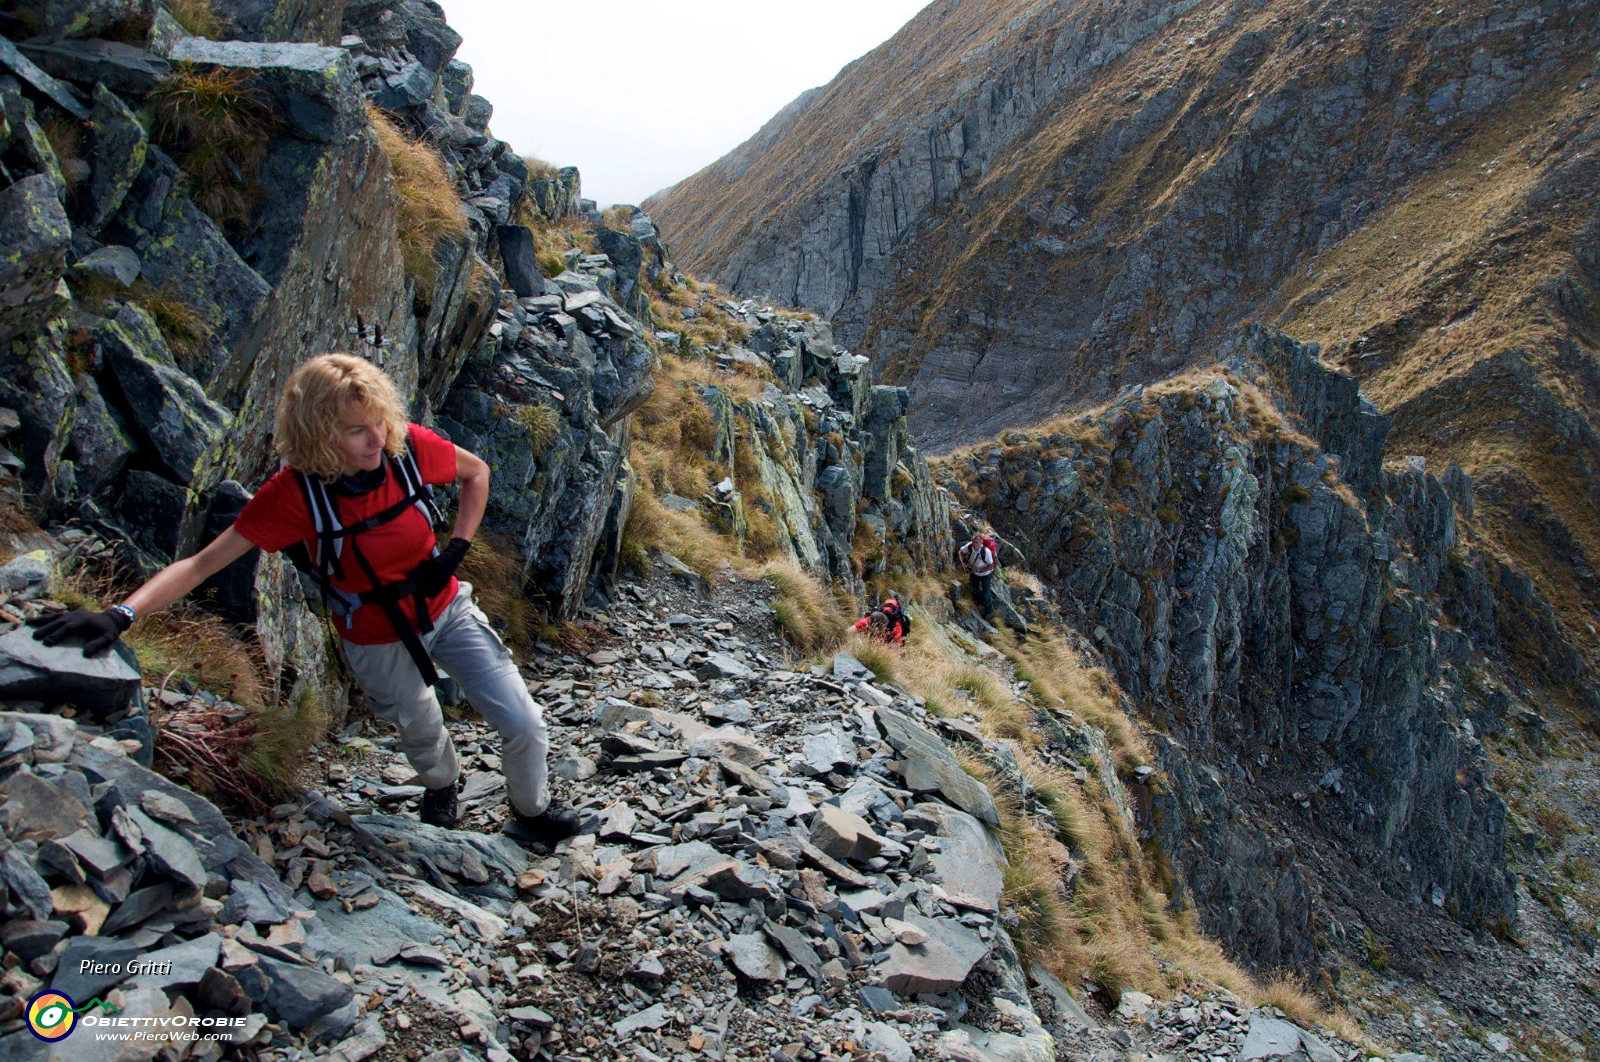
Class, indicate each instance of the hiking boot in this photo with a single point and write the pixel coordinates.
(547, 830)
(439, 806)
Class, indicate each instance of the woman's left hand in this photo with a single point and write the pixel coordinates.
(433, 574)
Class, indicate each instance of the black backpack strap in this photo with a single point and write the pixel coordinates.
(387, 597)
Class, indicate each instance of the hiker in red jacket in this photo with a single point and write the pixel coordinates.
(979, 558)
(351, 507)
(887, 623)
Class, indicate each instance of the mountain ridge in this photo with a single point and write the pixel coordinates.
(1122, 185)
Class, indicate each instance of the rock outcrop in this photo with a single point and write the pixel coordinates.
(1310, 630)
(145, 339)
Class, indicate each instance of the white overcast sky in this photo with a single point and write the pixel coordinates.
(640, 94)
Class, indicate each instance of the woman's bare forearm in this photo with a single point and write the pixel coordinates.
(180, 577)
(473, 473)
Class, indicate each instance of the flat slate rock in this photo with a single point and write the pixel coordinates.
(847, 668)
(940, 964)
(753, 957)
(929, 767)
(61, 674)
(107, 960)
(188, 961)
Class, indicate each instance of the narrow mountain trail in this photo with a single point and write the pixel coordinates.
(763, 879)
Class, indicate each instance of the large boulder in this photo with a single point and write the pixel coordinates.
(428, 36)
(521, 261)
(167, 408)
(331, 255)
(36, 236)
(61, 674)
(150, 509)
(99, 446)
(312, 88)
(119, 67)
(117, 146)
(183, 254)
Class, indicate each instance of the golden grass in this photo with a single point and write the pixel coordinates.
(539, 169)
(427, 208)
(198, 17)
(541, 423)
(1048, 661)
(684, 535)
(805, 610)
(618, 217)
(494, 569)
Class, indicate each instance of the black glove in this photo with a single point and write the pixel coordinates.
(99, 629)
(433, 574)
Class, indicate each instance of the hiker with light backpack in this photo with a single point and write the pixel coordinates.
(352, 509)
(979, 558)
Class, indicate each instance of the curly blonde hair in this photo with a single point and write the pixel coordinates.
(311, 412)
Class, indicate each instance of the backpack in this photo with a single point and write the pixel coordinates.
(326, 564)
(901, 614)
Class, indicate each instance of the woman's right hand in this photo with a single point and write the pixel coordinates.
(99, 629)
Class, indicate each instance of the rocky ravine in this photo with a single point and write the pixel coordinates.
(786, 863)
(129, 425)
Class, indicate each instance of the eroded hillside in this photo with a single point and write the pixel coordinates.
(1060, 199)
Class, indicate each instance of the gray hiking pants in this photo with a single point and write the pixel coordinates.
(464, 645)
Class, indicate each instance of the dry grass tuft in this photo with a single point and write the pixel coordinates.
(805, 610)
(217, 125)
(539, 169)
(427, 207)
(881, 658)
(183, 325)
(619, 217)
(66, 140)
(198, 17)
(494, 569)
(282, 738)
(542, 424)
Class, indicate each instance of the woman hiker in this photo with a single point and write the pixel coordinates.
(351, 508)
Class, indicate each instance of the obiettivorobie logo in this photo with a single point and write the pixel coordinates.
(52, 1016)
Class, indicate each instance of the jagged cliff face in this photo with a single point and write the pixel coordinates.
(145, 333)
(1021, 208)
(1314, 636)
(146, 330)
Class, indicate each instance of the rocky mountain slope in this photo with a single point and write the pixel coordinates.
(1320, 642)
(991, 843)
(1019, 208)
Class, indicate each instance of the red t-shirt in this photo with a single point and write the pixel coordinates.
(277, 517)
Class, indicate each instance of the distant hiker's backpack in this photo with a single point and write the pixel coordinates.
(900, 613)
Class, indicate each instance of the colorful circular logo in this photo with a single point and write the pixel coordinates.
(51, 1016)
